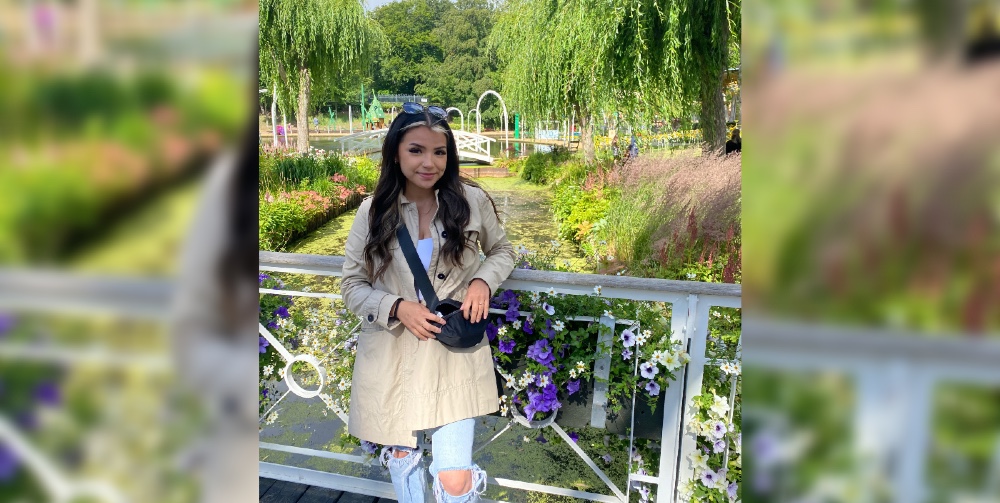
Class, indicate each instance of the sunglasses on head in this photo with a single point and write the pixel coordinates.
(416, 108)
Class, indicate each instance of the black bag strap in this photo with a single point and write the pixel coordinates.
(419, 273)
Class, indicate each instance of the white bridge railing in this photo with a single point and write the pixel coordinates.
(691, 303)
(470, 145)
(894, 376)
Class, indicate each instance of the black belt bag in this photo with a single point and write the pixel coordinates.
(457, 331)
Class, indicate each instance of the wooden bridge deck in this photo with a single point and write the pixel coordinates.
(280, 491)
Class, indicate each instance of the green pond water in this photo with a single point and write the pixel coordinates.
(524, 209)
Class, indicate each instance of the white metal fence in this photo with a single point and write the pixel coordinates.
(894, 375)
(691, 303)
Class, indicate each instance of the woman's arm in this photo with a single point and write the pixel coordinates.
(499, 252)
(362, 299)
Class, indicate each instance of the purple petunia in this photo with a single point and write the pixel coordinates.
(272, 325)
(548, 308)
(263, 344)
(626, 354)
(261, 277)
(491, 331)
(263, 392)
(573, 386)
(526, 326)
(731, 491)
(574, 436)
(719, 446)
(709, 478)
(282, 312)
(508, 296)
(719, 429)
(369, 447)
(511, 314)
(6, 323)
(47, 393)
(9, 463)
(652, 388)
(648, 370)
(541, 352)
(607, 459)
(543, 401)
(541, 439)
(507, 346)
(628, 338)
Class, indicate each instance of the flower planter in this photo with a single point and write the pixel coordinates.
(648, 424)
(576, 408)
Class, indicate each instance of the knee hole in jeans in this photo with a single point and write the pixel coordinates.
(456, 482)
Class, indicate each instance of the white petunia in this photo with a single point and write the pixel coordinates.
(271, 418)
(268, 370)
(503, 330)
(720, 406)
(572, 373)
(581, 366)
(691, 275)
(597, 290)
(671, 361)
(699, 459)
(559, 326)
(608, 314)
(551, 291)
(543, 381)
(516, 324)
(343, 385)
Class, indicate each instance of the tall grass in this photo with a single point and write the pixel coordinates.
(677, 217)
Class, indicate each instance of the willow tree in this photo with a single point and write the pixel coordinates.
(633, 57)
(708, 30)
(302, 41)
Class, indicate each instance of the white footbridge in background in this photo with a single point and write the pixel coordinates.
(471, 146)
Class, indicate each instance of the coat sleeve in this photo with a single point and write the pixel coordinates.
(370, 304)
(499, 252)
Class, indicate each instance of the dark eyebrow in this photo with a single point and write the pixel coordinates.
(415, 144)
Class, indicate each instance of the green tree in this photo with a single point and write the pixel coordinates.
(706, 29)
(636, 57)
(305, 40)
(466, 70)
(409, 27)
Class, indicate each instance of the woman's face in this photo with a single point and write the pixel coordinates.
(423, 156)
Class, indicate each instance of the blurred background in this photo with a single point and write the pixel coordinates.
(113, 114)
(871, 186)
(871, 243)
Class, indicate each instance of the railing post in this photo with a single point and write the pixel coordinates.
(696, 328)
(602, 371)
(673, 419)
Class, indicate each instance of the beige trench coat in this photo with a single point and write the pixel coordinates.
(401, 384)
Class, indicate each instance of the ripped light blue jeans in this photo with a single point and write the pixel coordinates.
(451, 449)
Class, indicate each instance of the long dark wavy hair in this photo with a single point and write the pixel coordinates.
(453, 208)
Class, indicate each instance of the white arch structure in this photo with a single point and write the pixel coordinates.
(460, 116)
(479, 122)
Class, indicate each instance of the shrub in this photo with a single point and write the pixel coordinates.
(278, 223)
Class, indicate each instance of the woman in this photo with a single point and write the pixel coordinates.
(404, 380)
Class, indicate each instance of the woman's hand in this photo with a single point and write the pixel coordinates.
(477, 302)
(417, 318)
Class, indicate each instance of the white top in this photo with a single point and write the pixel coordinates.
(425, 247)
